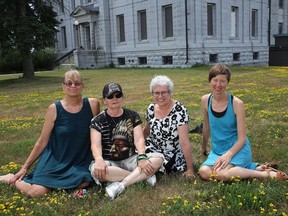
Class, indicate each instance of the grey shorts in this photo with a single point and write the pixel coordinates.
(128, 164)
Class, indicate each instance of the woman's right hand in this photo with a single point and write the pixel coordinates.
(18, 176)
(100, 169)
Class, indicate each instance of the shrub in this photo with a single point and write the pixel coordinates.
(11, 62)
(44, 59)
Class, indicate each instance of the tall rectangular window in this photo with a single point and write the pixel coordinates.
(234, 21)
(167, 21)
(63, 37)
(281, 4)
(211, 19)
(61, 6)
(73, 4)
(280, 28)
(121, 28)
(254, 23)
(142, 25)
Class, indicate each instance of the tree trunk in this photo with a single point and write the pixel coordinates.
(28, 67)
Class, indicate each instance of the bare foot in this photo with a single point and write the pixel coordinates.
(270, 165)
(6, 178)
(278, 175)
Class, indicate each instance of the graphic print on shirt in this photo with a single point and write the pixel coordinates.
(122, 140)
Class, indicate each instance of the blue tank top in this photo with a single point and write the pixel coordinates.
(223, 129)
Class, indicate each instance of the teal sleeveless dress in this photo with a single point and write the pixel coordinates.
(223, 135)
(65, 161)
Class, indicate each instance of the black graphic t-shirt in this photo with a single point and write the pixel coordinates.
(117, 133)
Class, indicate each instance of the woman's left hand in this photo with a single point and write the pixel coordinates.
(222, 161)
(146, 167)
(189, 173)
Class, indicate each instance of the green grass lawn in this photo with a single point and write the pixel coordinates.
(263, 89)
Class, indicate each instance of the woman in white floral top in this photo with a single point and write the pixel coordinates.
(167, 127)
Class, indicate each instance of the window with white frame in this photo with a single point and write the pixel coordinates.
(211, 19)
(142, 25)
(234, 21)
(167, 21)
(121, 28)
(254, 23)
(63, 37)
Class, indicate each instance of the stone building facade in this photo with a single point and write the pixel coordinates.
(167, 33)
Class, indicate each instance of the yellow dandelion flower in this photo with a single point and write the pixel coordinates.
(185, 203)
(271, 205)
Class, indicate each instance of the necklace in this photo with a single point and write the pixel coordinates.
(116, 117)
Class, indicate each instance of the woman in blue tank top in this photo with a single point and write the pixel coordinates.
(224, 123)
(63, 147)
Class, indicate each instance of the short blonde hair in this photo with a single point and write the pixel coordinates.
(73, 75)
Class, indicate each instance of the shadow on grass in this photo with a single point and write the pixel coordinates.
(37, 81)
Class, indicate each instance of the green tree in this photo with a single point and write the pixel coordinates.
(27, 25)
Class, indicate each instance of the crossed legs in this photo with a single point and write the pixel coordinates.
(118, 174)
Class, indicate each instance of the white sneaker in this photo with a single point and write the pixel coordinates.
(151, 180)
(114, 189)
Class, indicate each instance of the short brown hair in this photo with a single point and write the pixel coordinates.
(220, 69)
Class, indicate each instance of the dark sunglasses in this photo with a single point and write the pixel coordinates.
(117, 95)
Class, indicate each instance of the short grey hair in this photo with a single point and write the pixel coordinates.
(162, 80)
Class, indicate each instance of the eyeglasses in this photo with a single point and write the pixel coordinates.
(163, 93)
(69, 84)
(117, 95)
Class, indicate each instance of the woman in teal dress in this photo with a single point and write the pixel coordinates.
(63, 147)
(224, 124)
